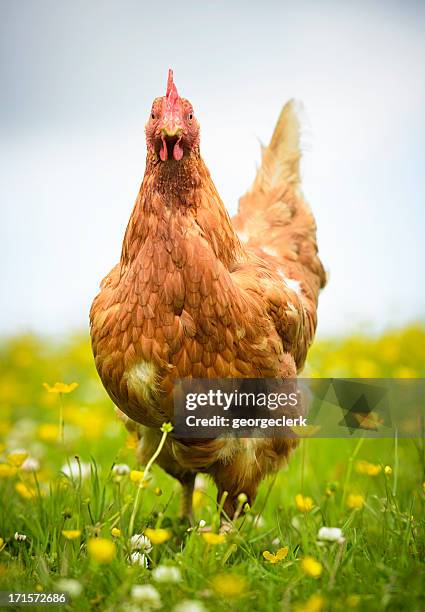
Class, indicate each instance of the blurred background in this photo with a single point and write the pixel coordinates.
(77, 82)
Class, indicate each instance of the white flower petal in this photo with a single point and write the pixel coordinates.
(166, 573)
(140, 542)
(330, 534)
(146, 594)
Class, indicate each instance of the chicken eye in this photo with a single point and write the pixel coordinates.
(190, 116)
(153, 115)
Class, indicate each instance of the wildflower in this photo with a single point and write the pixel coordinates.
(166, 573)
(304, 504)
(71, 534)
(101, 550)
(71, 586)
(17, 457)
(132, 440)
(228, 585)
(278, 556)
(189, 605)
(48, 432)
(146, 595)
(6, 470)
(369, 469)
(20, 537)
(214, 538)
(388, 470)
(25, 491)
(355, 501)
(140, 542)
(136, 476)
(198, 498)
(158, 536)
(74, 468)
(138, 558)
(60, 387)
(330, 534)
(202, 524)
(315, 603)
(30, 465)
(121, 469)
(311, 567)
(115, 532)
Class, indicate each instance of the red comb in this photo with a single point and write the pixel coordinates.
(171, 95)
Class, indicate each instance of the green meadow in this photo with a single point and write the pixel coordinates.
(78, 514)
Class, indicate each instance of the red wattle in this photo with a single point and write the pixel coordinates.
(177, 151)
(163, 154)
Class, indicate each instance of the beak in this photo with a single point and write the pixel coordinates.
(171, 125)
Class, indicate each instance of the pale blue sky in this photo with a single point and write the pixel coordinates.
(77, 80)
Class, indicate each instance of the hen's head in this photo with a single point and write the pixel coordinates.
(172, 130)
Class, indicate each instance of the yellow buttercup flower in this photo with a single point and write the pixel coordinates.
(71, 534)
(198, 498)
(115, 532)
(280, 554)
(136, 476)
(6, 470)
(304, 504)
(315, 603)
(157, 536)
(214, 538)
(48, 432)
(228, 585)
(311, 567)
(60, 387)
(355, 501)
(369, 469)
(17, 458)
(132, 440)
(101, 550)
(25, 491)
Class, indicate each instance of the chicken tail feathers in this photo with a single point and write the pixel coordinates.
(275, 223)
(281, 159)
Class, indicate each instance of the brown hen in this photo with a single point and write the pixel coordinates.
(198, 295)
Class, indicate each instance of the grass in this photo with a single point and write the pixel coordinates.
(371, 489)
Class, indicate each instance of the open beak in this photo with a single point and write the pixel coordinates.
(171, 135)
